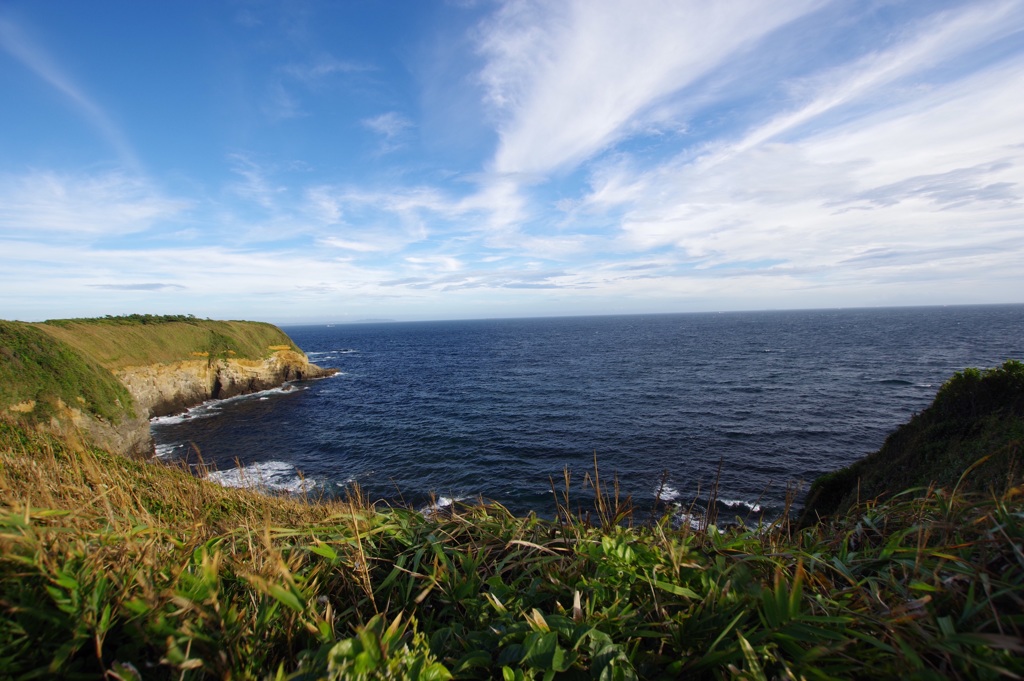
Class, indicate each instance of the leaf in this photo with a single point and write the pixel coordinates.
(435, 672)
(750, 655)
(677, 590)
(922, 586)
(537, 621)
(286, 597)
(325, 551)
(543, 652)
(477, 658)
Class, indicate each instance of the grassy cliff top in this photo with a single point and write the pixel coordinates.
(133, 340)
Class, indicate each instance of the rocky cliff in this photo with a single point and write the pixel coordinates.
(161, 389)
(101, 380)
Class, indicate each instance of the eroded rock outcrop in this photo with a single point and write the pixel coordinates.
(162, 389)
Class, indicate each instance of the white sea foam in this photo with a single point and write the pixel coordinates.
(166, 450)
(274, 476)
(321, 355)
(666, 493)
(739, 503)
(441, 505)
(694, 520)
(211, 408)
(202, 411)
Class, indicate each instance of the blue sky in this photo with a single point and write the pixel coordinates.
(335, 161)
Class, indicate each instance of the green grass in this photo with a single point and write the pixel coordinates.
(112, 566)
(137, 340)
(36, 368)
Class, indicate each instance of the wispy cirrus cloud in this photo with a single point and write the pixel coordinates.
(650, 156)
(96, 204)
(875, 79)
(313, 72)
(19, 43)
(140, 287)
(567, 79)
(391, 127)
(285, 88)
(909, 178)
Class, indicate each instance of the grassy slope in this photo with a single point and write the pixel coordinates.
(105, 562)
(119, 342)
(34, 367)
(977, 416)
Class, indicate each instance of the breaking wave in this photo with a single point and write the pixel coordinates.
(272, 476)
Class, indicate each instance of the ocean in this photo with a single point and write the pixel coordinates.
(429, 412)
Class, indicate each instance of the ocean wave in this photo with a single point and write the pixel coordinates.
(440, 505)
(666, 493)
(329, 354)
(211, 408)
(695, 520)
(739, 503)
(167, 450)
(274, 476)
(202, 411)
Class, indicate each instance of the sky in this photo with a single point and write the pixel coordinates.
(303, 161)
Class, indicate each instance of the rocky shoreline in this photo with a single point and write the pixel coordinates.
(163, 389)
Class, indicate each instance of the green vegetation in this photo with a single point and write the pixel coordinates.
(976, 420)
(136, 340)
(136, 570)
(36, 371)
(70, 361)
(128, 319)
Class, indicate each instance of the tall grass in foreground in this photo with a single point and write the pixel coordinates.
(114, 567)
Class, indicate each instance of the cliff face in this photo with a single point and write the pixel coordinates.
(161, 389)
(101, 380)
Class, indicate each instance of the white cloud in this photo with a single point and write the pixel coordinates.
(96, 204)
(928, 188)
(941, 40)
(256, 185)
(646, 156)
(567, 78)
(323, 67)
(444, 263)
(281, 101)
(391, 126)
(348, 245)
(17, 42)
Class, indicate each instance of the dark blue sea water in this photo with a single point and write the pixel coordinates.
(496, 408)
